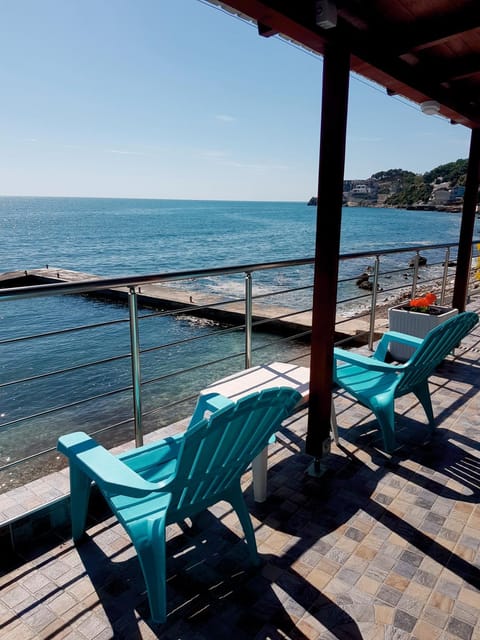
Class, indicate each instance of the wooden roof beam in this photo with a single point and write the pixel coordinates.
(425, 34)
(296, 20)
(456, 69)
(402, 39)
(415, 76)
(372, 54)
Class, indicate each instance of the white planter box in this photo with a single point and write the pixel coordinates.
(415, 324)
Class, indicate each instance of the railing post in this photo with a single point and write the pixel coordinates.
(445, 275)
(136, 377)
(373, 309)
(248, 320)
(416, 263)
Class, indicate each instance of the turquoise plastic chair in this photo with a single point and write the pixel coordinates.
(376, 383)
(155, 485)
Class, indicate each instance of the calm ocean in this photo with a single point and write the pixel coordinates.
(111, 237)
(122, 237)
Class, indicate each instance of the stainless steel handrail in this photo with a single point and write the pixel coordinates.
(97, 284)
(130, 284)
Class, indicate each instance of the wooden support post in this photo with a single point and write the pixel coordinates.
(470, 202)
(336, 71)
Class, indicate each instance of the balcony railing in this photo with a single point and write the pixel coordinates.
(77, 356)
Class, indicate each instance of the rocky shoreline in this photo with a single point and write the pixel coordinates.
(380, 205)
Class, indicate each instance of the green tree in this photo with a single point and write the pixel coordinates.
(452, 172)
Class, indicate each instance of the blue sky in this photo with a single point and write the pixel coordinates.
(176, 99)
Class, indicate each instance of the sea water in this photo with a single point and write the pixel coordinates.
(112, 237)
(125, 237)
(122, 237)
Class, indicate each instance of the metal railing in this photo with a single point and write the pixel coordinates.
(268, 320)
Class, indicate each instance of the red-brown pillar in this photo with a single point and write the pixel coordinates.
(470, 201)
(336, 71)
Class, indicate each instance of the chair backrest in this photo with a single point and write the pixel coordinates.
(216, 452)
(437, 344)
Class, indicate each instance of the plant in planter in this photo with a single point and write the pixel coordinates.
(416, 318)
(423, 305)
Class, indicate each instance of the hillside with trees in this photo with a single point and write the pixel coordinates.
(442, 187)
(407, 188)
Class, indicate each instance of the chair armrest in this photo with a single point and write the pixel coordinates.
(103, 467)
(158, 452)
(208, 402)
(367, 362)
(394, 336)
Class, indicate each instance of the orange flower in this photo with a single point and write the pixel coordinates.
(427, 300)
(418, 302)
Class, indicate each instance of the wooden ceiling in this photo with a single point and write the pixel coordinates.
(420, 49)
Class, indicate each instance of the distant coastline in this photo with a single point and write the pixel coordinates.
(411, 207)
(441, 189)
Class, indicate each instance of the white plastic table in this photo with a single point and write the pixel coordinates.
(266, 376)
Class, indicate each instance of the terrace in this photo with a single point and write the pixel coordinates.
(379, 546)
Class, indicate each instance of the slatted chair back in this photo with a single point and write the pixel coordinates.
(217, 451)
(175, 478)
(438, 343)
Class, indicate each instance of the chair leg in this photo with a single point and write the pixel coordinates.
(80, 485)
(423, 394)
(148, 537)
(259, 475)
(238, 503)
(385, 414)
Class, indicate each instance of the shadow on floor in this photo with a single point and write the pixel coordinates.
(212, 590)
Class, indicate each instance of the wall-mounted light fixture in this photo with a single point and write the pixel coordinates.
(430, 107)
(326, 14)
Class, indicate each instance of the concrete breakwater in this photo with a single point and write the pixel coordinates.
(274, 319)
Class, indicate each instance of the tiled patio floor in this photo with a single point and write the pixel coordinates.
(378, 547)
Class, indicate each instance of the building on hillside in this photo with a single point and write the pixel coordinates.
(440, 196)
(457, 193)
(357, 191)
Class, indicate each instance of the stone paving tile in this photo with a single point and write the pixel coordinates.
(381, 547)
